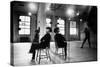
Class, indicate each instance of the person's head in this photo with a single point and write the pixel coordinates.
(56, 30)
(48, 29)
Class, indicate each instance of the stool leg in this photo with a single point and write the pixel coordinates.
(46, 52)
(35, 55)
(57, 50)
(62, 50)
(39, 56)
(65, 53)
(49, 55)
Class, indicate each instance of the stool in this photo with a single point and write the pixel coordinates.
(63, 52)
(42, 56)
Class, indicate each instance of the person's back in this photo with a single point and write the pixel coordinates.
(46, 38)
(60, 41)
(59, 38)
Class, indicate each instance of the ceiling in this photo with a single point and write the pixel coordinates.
(57, 9)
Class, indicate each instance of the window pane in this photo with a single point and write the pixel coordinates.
(24, 31)
(21, 26)
(72, 24)
(22, 18)
(48, 25)
(61, 29)
(21, 23)
(60, 25)
(27, 31)
(73, 31)
(24, 24)
(21, 31)
(27, 18)
(60, 21)
(27, 24)
(62, 32)
(48, 20)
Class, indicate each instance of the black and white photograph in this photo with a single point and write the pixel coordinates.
(44, 33)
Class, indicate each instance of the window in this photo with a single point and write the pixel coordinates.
(73, 30)
(48, 22)
(24, 25)
(61, 25)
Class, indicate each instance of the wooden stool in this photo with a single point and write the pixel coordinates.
(63, 52)
(40, 56)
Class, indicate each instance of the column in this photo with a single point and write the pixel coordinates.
(41, 19)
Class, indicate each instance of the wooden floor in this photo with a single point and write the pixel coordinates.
(22, 57)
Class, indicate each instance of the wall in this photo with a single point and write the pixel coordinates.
(16, 11)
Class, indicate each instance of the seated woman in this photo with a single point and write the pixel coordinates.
(45, 40)
(60, 40)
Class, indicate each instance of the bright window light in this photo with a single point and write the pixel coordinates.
(48, 22)
(24, 25)
(73, 31)
(61, 25)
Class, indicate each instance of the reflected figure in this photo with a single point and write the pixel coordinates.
(87, 37)
(60, 41)
(34, 45)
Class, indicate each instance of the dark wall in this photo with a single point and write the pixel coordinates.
(92, 23)
(92, 19)
(15, 37)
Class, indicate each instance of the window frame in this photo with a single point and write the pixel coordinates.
(27, 28)
(61, 24)
(73, 28)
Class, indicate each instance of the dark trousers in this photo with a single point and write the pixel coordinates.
(33, 55)
(86, 38)
(32, 50)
